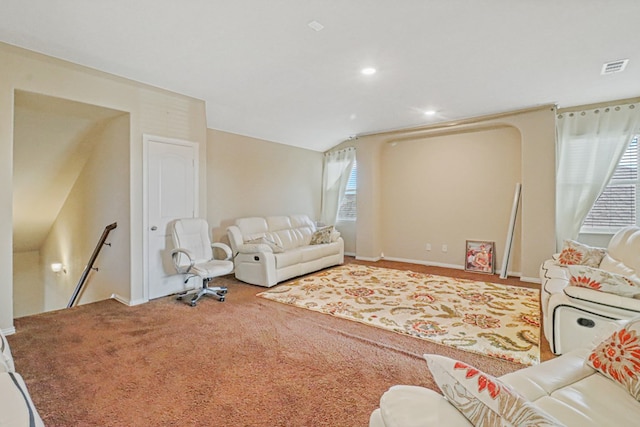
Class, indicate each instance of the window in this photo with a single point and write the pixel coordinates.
(347, 209)
(617, 206)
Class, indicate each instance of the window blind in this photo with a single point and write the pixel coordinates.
(617, 205)
(347, 209)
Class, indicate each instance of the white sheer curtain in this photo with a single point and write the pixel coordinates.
(590, 144)
(336, 171)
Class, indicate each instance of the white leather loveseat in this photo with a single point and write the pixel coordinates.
(566, 391)
(276, 248)
(580, 300)
(16, 407)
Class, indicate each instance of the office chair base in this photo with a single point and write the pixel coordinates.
(218, 292)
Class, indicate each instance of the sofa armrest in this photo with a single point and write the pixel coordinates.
(602, 298)
(409, 406)
(226, 249)
(6, 359)
(235, 237)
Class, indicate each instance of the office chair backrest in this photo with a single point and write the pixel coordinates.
(192, 234)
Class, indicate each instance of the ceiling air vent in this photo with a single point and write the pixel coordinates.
(614, 66)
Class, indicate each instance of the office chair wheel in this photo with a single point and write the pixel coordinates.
(192, 303)
(222, 292)
(221, 299)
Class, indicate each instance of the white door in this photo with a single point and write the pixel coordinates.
(172, 193)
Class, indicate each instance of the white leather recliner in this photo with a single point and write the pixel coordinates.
(576, 316)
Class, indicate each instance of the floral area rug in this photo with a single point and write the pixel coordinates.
(496, 320)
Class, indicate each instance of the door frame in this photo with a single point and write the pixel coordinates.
(146, 141)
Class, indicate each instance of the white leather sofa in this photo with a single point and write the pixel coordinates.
(564, 388)
(276, 248)
(16, 407)
(575, 316)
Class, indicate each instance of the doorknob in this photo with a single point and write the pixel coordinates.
(154, 228)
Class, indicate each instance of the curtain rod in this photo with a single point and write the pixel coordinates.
(598, 105)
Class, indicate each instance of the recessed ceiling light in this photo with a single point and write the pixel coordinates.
(368, 71)
(430, 113)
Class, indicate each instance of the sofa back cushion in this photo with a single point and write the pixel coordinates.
(289, 232)
(252, 228)
(623, 252)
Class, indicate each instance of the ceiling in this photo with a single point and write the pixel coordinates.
(264, 72)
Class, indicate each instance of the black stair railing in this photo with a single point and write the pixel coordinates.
(89, 266)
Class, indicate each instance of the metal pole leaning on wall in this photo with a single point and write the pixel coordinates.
(512, 226)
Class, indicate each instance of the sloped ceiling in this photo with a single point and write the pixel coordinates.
(264, 72)
(52, 142)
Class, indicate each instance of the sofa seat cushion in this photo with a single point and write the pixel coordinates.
(313, 252)
(413, 406)
(593, 401)
(288, 258)
(538, 381)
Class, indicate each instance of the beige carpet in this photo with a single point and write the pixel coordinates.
(245, 362)
(493, 319)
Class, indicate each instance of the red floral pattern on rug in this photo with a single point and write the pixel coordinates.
(497, 320)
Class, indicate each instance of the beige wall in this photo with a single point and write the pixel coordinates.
(28, 294)
(152, 111)
(378, 162)
(253, 177)
(444, 190)
(98, 198)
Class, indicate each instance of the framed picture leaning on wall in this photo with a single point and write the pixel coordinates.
(480, 256)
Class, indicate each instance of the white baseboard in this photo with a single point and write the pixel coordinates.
(364, 258)
(455, 267)
(423, 262)
(531, 280)
(127, 302)
(9, 331)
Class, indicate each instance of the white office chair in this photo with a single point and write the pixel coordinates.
(194, 256)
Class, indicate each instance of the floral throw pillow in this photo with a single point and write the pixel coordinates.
(603, 281)
(482, 399)
(577, 253)
(322, 235)
(618, 357)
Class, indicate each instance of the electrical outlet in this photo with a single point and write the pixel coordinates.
(444, 248)
(427, 247)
